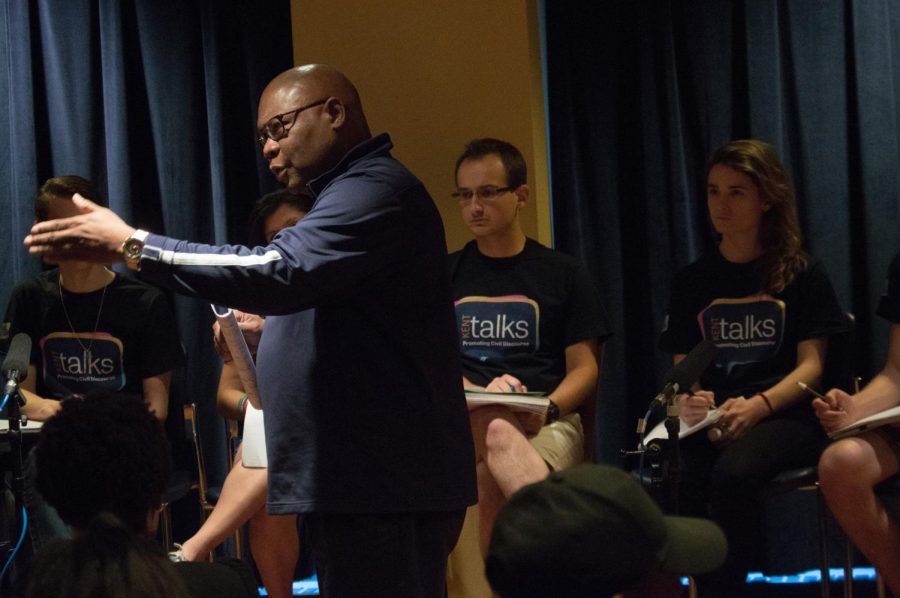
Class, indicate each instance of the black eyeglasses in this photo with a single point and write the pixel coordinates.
(275, 128)
(485, 193)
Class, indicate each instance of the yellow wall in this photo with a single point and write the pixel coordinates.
(435, 74)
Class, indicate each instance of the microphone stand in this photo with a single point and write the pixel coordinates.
(672, 463)
(14, 402)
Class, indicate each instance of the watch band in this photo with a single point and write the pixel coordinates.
(552, 412)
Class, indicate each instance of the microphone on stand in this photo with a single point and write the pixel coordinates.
(15, 366)
(687, 371)
(681, 377)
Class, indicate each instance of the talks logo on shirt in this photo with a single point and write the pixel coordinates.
(491, 327)
(82, 363)
(748, 330)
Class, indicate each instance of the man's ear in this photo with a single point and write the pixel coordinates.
(336, 111)
(522, 195)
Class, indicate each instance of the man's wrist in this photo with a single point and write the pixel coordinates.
(133, 247)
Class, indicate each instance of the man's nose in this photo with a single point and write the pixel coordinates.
(270, 148)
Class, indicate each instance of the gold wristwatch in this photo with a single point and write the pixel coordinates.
(132, 249)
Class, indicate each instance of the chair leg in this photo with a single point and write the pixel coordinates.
(848, 570)
(165, 524)
(825, 584)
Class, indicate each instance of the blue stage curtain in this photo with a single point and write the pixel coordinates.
(641, 92)
(153, 101)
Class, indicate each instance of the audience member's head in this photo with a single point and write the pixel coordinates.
(54, 197)
(276, 211)
(105, 559)
(510, 156)
(592, 531)
(104, 454)
(779, 229)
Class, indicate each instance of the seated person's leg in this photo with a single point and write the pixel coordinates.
(243, 495)
(490, 500)
(741, 471)
(509, 456)
(561, 444)
(849, 470)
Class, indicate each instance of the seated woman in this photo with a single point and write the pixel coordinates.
(851, 468)
(770, 309)
(274, 542)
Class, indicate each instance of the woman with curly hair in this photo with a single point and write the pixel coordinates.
(769, 308)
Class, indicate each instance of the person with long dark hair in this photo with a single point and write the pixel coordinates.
(769, 308)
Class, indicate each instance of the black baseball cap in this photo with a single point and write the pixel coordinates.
(592, 530)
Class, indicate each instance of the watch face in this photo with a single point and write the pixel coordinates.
(133, 249)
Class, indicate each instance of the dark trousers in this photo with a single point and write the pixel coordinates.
(397, 555)
(727, 481)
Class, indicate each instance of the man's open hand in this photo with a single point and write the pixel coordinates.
(96, 235)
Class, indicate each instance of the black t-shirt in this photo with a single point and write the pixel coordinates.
(756, 334)
(889, 305)
(518, 314)
(74, 351)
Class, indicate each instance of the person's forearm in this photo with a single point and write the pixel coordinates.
(471, 385)
(230, 393)
(36, 407)
(583, 362)
(883, 392)
(156, 394)
(787, 393)
(579, 385)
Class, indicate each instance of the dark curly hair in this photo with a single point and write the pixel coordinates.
(103, 453)
(106, 560)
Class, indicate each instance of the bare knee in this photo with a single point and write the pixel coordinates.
(844, 465)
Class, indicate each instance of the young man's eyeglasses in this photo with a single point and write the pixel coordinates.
(276, 128)
(484, 193)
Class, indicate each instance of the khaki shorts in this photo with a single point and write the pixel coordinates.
(561, 444)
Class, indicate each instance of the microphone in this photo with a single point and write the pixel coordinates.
(15, 366)
(687, 371)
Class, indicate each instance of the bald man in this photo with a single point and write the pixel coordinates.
(366, 425)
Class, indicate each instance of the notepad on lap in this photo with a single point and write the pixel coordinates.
(888, 416)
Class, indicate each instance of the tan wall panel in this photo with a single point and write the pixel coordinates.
(434, 74)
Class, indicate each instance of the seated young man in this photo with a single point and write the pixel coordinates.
(529, 319)
(103, 463)
(851, 468)
(92, 330)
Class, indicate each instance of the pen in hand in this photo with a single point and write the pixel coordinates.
(813, 391)
(831, 402)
